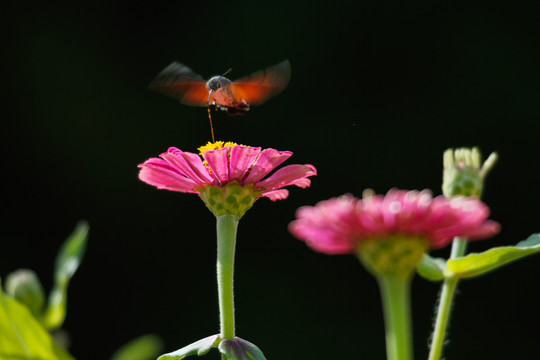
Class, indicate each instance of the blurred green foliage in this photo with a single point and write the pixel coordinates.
(145, 347)
(24, 323)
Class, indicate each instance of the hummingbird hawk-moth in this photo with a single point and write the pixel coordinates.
(235, 97)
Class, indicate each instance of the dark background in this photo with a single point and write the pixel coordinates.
(377, 93)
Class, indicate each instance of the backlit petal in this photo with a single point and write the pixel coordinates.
(267, 161)
(242, 158)
(188, 164)
(218, 163)
(288, 175)
(274, 195)
(161, 174)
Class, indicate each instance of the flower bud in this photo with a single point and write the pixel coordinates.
(24, 286)
(464, 172)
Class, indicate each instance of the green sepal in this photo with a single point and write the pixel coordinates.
(230, 199)
(476, 264)
(199, 348)
(431, 268)
(394, 255)
(67, 261)
(21, 335)
(239, 349)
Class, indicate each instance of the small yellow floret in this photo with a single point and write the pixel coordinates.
(214, 146)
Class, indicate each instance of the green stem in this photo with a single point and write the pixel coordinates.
(226, 238)
(443, 314)
(397, 316)
(459, 246)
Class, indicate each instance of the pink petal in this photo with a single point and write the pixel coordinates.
(242, 158)
(489, 228)
(326, 227)
(188, 164)
(321, 237)
(274, 195)
(332, 247)
(302, 183)
(218, 163)
(473, 209)
(267, 161)
(159, 173)
(288, 175)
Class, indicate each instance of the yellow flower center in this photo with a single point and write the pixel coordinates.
(216, 145)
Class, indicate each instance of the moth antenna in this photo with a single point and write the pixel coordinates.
(227, 72)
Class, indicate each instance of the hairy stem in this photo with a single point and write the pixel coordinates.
(226, 238)
(459, 246)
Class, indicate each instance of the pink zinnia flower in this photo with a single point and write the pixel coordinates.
(236, 169)
(339, 225)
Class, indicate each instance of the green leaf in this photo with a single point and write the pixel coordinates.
(531, 242)
(239, 349)
(200, 347)
(476, 264)
(145, 347)
(22, 337)
(67, 262)
(431, 268)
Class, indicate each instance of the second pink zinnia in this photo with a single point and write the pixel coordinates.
(339, 225)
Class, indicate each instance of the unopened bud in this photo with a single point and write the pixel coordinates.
(464, 172)
(24, 286)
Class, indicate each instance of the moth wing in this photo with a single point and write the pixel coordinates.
(262, 85)
(182, 83)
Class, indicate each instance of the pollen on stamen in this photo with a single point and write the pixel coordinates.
(215, 145)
